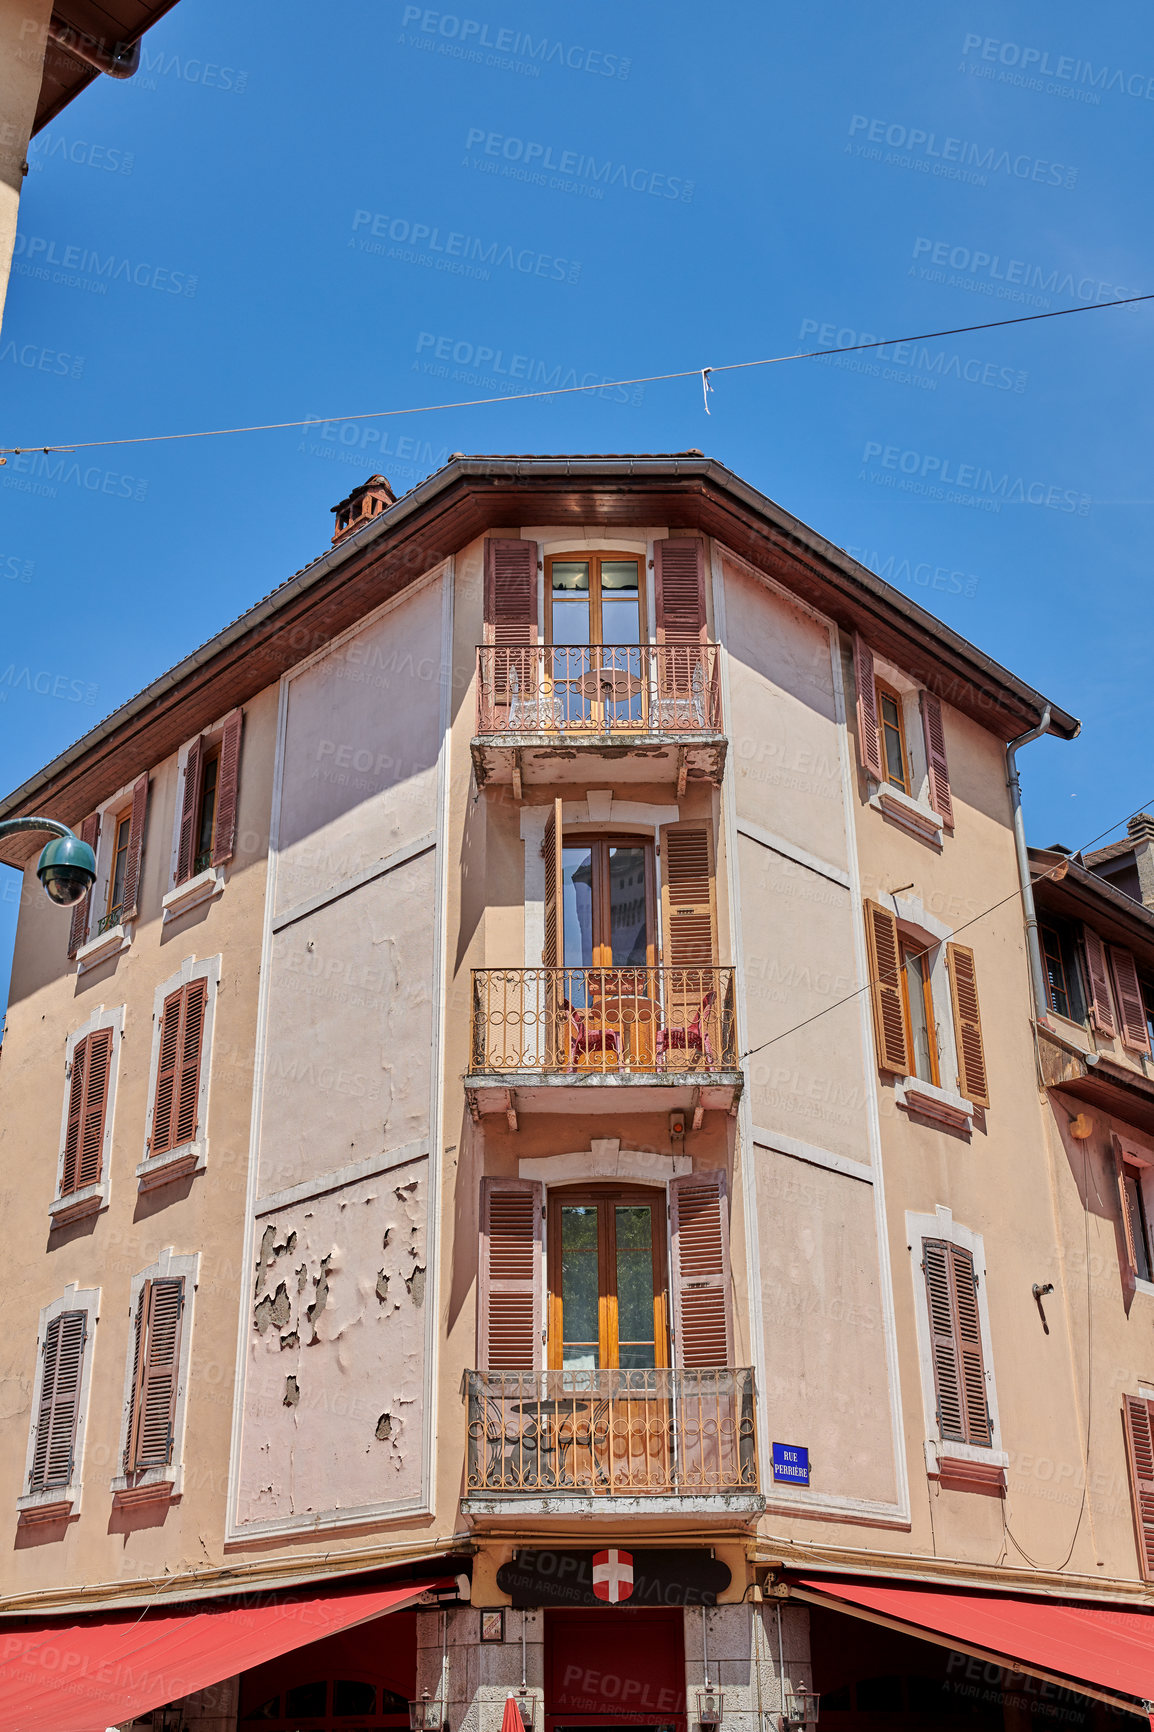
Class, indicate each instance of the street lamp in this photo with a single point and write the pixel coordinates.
(67, 867)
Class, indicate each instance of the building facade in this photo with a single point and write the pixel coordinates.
(543, 1116)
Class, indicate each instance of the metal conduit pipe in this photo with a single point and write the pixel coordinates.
(117, 59)
(1033, 943)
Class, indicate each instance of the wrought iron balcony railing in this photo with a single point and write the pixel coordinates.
(579, 1020)
(598, 689)
(611, 1433)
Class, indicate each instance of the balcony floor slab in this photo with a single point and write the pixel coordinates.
(721, 1509)
(548, 759)
(603, 1092)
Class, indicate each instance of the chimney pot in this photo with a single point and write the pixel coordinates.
(368, 500)
(1141, 827)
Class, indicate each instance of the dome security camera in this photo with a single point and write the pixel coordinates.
(67, 869)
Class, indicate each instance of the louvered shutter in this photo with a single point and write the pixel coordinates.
(679, 586)
(688, 898)
(87, 1105)
(972, 1077)
(1130, 1227)
(190, 810)
(227, 776)
(1131, 1010)
(939, 771)
(56, 1418)
(131, 886)
(702, 1321)
(174, 1119)
(891, 1030)
(78, 931)
(553, 954)
(956, 1343)
(511, 611)
(509, 1308)
(155, 1366)
(1101, 1004)
(869, 739)
(1137, 1420)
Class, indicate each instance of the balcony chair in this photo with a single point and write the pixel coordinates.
(683, 709)
(534, 710)
(693, 1038)
(585, 1037)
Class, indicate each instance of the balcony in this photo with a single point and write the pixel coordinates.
(550, 713)
(571, 1039)
(620, 1443)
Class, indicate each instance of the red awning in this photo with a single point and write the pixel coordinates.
(1097, 1650)
(88, 1675)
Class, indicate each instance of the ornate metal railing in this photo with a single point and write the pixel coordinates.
(598, 689)
(603, 1019)
(613, 1433)
(108, 921)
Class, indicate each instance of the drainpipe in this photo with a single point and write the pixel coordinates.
(118, 59)
(1033, 945)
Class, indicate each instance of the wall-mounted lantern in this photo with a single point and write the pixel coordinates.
(710, 1706)
(425, 1715)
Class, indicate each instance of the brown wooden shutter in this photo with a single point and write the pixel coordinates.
(87, 1104)
(509, 1306)
(511, 612)
(956, 1343)
(156, 1362)
(1131, 1010)
(174, 1118)
(1137, 1420)
(1130, 1228)
(679, 585)
(688, 897)
(78, 932)
(891, 1030)
(190, 810)
(131, 888)
(702, 1321)
(869, 738)
(1101, 1004)
(554, 953)
(939, 771)
(59, 1400)
(227, 776)
(972, 1078)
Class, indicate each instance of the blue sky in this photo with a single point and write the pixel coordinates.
(277, 192)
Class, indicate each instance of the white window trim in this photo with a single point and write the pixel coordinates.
(601, 811)
(60, 1502)
(190, 1157)
(156, 1483)
(941, 1225)
(176, 901)
(913, 812)
(92, 1198)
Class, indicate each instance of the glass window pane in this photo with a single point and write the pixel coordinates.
(620, 616)
(580, 1327)
(892, 739)
(306, 1700)
(120, 862)
(635, 1284)
(570, 585)
(628, 925)
(577, 880)
(1138, 1223)
(921, 1032)
(350, 1696)
(207, 807)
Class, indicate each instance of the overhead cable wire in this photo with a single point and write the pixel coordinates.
(702, 373)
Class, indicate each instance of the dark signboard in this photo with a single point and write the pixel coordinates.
(612, 1577)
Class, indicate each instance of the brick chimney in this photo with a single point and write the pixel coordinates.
(368, 500)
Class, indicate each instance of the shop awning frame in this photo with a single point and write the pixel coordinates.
(837, 1597)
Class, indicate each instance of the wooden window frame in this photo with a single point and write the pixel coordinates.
(210, 760)
(1138, 1225)
(882, 689)
(911, 948)
(122, 823)
(1052, 957)
(599, 844)
(595, 561)
(605, 1198)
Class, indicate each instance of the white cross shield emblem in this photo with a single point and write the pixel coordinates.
(613, 1575)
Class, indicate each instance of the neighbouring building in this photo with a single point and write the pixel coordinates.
(536, 1171)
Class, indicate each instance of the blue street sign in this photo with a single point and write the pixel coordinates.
(791, 1462)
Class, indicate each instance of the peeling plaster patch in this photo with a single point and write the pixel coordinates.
(404, 1192)
(292, 1340)
(385, 1427)
(321, 1299)
(292, 1392)
(416, 1286)
(382, 1286)
(302, 1277)
(266, 1258)
(387, 1237)
(273, 1309)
